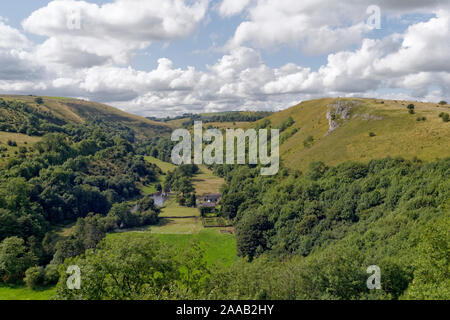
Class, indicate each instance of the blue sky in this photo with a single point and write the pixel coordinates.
(168, 57)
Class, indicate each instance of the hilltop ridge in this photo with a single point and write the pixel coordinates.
(73, 110)
(334, 130)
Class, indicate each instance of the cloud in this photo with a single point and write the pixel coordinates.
(316, 27)
(228, 8)
(11, 38)
(83, 34)
(413, 64)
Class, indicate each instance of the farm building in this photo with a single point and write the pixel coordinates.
(211, 197)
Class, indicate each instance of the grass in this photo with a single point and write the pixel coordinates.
(204, 182)
(164, 166)
(216, 221)
(178, 226)
(207, 182)
(219, 248)
(25, 293)
(397, 133)
(149, 189)
(173, 209)
(22, 140)
(19, 138)
(66, 230)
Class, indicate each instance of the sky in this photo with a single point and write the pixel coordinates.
(169, 57)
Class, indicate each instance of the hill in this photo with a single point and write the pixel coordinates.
(78, 111)
(364, 129)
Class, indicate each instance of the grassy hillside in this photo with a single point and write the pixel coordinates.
(374, 129)
(77, 111)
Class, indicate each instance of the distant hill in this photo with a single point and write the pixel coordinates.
(364, 129)
(77, 111)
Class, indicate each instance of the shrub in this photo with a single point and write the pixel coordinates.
(11, 143)
(39, 100)
(308, 142)
(445, 117)
(51, 276)
(421, 118)
(372, 134)
(411, 106)
(34, 277)
(443, 102)
(411, 111)
(15, 259)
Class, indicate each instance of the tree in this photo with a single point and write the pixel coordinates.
(129, 268)
(443, 102)
(432, 274)
(34, 277)
(446, 117)
(195, 272)
(51, 275)
(250, 235)
(15, 258)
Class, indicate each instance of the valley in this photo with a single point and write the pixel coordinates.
(359, 178)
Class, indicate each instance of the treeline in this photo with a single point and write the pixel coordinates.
(231, 116)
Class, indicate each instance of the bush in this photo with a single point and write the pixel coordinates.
(11, 143)
(443, 102)
(15, 259)
(39, 100)
(51, 276)
(34, 277)
(372, 134)
(411, 106)
(308, 142)
(411, 111)
(446, 117)
(421, 118)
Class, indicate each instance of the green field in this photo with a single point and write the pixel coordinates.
(207, 182)
(164, 166)
(219, 248)
(178, 226)
(24, 293)
(173, 209)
